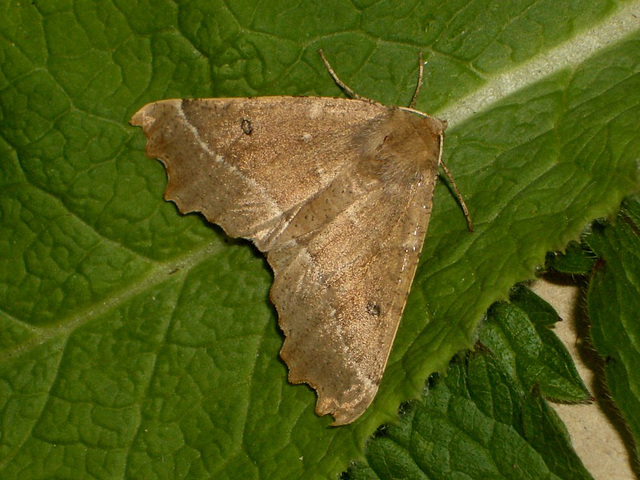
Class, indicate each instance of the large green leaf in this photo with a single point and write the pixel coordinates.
(139, 343)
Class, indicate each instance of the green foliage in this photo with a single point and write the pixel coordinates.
(487, 417)
(138, 343)
(614, 302)
(577, 259)
(519, 334)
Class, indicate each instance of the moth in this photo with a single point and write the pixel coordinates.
(337, 193)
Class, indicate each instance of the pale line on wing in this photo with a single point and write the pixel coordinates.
(274, 208)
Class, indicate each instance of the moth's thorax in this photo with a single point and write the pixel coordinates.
(399, 144)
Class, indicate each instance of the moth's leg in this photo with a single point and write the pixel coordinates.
(447, 172)
(412, 103)
(346, 89)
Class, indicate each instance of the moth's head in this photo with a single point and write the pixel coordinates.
(437, 124)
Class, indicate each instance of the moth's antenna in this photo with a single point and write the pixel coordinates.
(465, 210)
(346, 89)
(412, 103)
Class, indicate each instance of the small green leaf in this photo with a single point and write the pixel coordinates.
(530, 350)
(577, 259)
(539, 312)
(614, 302)
(477, 422)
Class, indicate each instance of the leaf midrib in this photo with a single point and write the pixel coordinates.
(568, 55)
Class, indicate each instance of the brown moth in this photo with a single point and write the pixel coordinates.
(337, 193)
